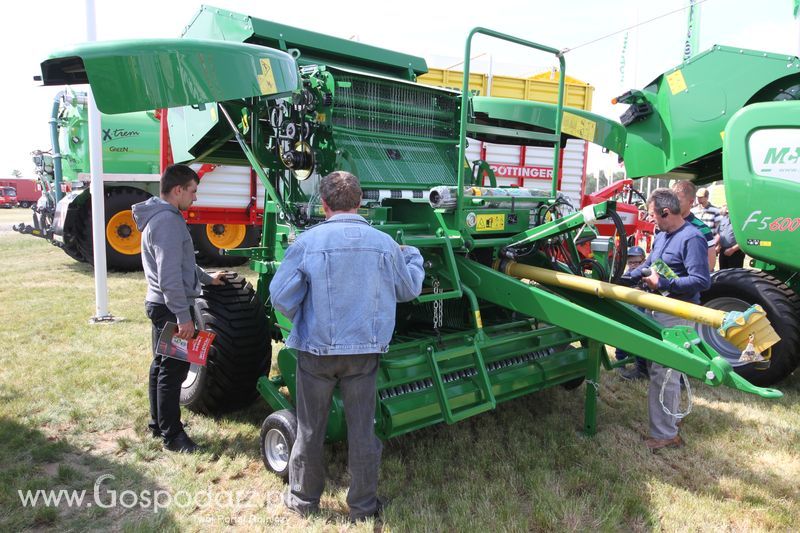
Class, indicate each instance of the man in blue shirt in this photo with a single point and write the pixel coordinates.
(687, 193)
(339, 284)
(684, 250)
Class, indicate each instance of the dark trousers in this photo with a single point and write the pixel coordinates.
(735, 260)
(640, 362)
(316, 378)
(166, 376)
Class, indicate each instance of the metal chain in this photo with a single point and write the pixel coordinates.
(596, 386)
(438, 306)
(689, 397)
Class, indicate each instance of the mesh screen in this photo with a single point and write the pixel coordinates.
(410, 164)
(377, 105)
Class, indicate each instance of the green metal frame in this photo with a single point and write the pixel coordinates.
(555, 137)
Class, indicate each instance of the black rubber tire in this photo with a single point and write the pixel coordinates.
(278, 434)
(24, 205)
(620, 255)
(70, 246)
(116, 199)
(240, 353)
(783, 311)
(209, 255)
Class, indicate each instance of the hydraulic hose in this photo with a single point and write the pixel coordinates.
(734, 326)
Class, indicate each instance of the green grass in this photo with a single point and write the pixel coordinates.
(15, 216)
(73, 405)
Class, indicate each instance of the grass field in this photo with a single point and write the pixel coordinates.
(73, 408)
(9, 217)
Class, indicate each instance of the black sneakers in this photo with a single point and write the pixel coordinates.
(181, 443)
(631, 374)
(155, 431)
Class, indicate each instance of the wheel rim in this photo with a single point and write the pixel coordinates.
(191, 376)
(276, 450)
(709, 333)
(123, 235)
(226, 236)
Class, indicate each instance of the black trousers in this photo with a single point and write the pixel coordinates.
(166, 376)
(735, 260)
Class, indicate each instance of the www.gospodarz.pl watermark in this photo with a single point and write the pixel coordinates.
(105, 497)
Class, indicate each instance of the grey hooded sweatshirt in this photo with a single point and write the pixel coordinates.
(173, 277)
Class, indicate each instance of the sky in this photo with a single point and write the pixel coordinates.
(435, 30)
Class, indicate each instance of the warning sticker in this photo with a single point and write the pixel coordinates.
(676, 82)
(582, 128)
(266, 80)
(490, 222)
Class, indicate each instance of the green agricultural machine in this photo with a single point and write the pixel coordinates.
(732, 114)
(131, 154)
(294, 105)
(130, 162)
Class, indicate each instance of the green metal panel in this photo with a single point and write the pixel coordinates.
(397, 163)
(187, 126)
(518, 114)
(161, 73)
(129, 143)
(315, 48)
(693, 102)
(761, 164)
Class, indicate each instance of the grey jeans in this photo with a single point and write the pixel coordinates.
(317, 376)
(662, 425)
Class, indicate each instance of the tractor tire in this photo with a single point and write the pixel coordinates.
(123, 238)
(736, 289)
(278, 433)
(210, 239)
(240, 353)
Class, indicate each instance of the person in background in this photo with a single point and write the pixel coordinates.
(686, 192)
(636, 257)
(680, 245)
(339, 284)
(173, 283)
(709, 214)
(730, 255)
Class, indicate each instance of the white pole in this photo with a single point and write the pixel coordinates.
(97, 193)
(489, 79)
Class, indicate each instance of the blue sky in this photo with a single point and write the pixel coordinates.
(32, 29)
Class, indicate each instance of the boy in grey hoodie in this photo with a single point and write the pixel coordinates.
(173, 282)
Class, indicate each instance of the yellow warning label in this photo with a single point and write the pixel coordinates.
(676, 82)
(478, 321)
(490, 222)
(266, 80)
(582, 128)
(768, 244)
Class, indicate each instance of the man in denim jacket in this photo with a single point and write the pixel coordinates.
(339, 284)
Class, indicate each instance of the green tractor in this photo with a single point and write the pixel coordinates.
(732, 114)
(294, 105)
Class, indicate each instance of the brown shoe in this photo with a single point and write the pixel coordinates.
(657, 444)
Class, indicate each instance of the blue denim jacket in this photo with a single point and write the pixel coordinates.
(339, 284)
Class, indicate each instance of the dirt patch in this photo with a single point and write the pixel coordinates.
(109, 442)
